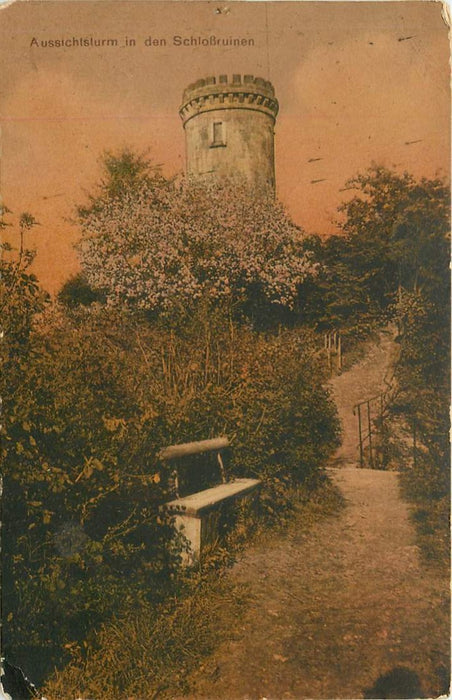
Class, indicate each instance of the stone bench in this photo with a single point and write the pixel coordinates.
(198, 513)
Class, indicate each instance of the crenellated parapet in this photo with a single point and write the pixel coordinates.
(229, 124)
(239, 92)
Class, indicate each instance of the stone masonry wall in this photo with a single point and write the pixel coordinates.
(229, 128)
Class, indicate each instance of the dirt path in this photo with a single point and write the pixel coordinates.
(334, 608)
(367, 378)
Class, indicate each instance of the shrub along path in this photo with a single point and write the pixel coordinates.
(334, 607)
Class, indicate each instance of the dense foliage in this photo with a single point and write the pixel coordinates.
(97, 385)
(160, 341)
(99, 392)
(21, 298)
(394, 238)
(423, 375)
(77, 291)
(160, 245)
(391, 263)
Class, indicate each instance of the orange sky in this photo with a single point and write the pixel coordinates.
(352, 87)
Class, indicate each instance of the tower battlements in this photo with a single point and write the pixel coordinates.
(229, 126)
(223, 92)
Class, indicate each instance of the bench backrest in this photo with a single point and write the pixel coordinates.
(197, 465)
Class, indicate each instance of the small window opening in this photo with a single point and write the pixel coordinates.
(218, 134)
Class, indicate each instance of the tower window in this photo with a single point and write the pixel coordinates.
(218, 135)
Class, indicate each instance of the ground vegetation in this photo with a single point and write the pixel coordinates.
(198, 313)
(101, 386)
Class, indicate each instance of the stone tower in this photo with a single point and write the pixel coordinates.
(229, 128)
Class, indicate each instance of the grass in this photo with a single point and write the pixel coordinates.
(149, 652)
(432, 523)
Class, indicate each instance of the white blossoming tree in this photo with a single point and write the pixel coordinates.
(159, 244)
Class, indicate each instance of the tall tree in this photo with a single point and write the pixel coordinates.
(394, 239)
(397, 231)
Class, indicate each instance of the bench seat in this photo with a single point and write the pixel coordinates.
(197, 516)
(200, 503)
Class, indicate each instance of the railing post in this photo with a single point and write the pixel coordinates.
(380, 426)
(361, 456)
(369, 425)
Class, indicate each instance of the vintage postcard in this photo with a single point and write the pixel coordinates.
(225, 348)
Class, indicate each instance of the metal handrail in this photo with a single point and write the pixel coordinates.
(362, 439)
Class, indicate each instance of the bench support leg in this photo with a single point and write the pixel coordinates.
(190, 527)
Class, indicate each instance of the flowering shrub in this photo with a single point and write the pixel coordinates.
(159, 244)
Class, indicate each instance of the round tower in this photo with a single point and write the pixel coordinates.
(229, 128)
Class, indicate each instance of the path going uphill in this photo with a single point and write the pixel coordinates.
(346, 608)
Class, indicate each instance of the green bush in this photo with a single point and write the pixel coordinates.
(432, 522)
(100, 394)
(76, 291)
(423, 379)
(82, 529)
